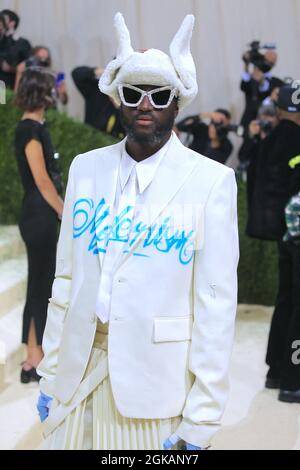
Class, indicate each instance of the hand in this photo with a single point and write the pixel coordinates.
(98, 72)
(217, 117)
(174, 439)
(61, 209)
(258, 75)
(62, 88)
(43, 406)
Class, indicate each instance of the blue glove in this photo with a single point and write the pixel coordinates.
(172, 440)
(43, 406)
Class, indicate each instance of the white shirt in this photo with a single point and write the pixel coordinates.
(143, 172)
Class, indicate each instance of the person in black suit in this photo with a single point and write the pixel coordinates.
(210, 140)
(100, 112)
(16, 49)
(277, 179)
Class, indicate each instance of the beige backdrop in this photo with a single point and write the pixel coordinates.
(79, 32)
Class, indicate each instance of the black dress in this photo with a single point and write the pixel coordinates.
(38, 224)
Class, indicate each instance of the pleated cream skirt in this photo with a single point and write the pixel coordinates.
(96, 424)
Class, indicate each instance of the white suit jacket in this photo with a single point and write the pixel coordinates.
(173, 306)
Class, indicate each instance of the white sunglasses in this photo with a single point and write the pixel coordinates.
(133, 96)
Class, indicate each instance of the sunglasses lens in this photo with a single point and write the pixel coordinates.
(161, 98)
(131, 96)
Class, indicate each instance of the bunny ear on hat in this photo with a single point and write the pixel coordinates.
(154, 66)
(182, 59)
(125, 50)
(124, 41)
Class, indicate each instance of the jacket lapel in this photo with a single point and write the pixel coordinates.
(107, 170)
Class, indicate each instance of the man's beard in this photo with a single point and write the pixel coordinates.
(154, 138)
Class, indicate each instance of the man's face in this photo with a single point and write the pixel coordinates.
(145, 124)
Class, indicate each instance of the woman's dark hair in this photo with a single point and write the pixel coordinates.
(226, 113)
(35, 90)
(12, 17)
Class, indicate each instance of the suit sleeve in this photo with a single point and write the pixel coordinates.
(85, 80)
(215, 304)
(61, 292)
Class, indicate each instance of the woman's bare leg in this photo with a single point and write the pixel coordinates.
(34, 351)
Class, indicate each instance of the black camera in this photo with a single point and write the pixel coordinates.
(254, 56)
(265, 126)
(223, 130)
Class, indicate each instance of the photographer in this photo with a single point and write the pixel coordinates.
(277, 180)
(210, 140)
(6, 70)
(100, 111)
(257, 82)
(258, 130)
(14, 50)
(41, 57)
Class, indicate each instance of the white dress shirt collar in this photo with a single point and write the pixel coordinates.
(145, 170)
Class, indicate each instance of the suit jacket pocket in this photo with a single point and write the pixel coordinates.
(172, 328)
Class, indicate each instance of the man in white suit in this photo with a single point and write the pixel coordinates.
(141, 319)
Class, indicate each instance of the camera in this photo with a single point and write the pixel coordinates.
(255, 56)
(265, 126)
(223, 130)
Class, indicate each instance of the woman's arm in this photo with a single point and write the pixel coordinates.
(20, 70)
(35, 158)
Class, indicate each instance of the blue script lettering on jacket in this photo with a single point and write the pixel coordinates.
(91, 219)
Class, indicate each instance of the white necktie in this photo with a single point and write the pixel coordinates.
(128, 195)
(127, 199)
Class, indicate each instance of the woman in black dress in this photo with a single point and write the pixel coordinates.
(42, 208)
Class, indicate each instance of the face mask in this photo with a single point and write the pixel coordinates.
(44, 62)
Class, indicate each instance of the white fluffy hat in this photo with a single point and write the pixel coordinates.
(153, 67)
